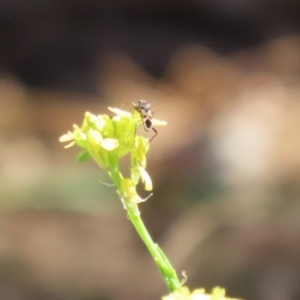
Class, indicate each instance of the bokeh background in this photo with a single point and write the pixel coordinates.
(224, 74)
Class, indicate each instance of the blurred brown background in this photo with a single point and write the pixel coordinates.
(225, 75)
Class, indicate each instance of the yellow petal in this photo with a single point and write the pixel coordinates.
(67, 137)
(120, 112)
(156, 122)
(100, 122)
(95, 136)
(70, 145)
(146, 179)
(109, 144)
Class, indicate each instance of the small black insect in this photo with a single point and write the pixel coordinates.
(146, 114)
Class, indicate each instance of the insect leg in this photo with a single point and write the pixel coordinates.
(155, 131)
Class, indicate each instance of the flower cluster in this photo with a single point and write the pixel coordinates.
(184, 293)
(107, 139)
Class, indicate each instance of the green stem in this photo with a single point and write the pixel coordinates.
(168, 273)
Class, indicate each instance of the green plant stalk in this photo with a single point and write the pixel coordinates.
(169, 275)
(167, 271)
